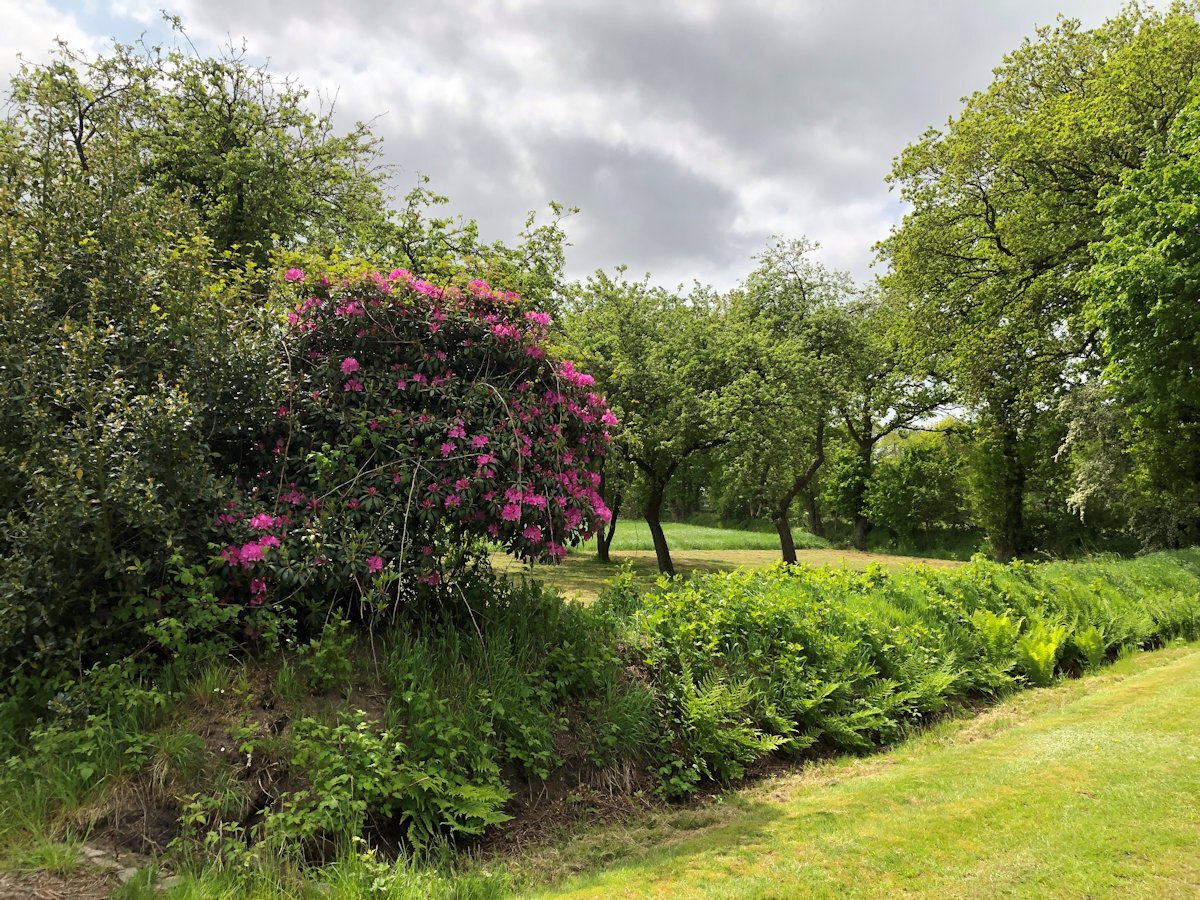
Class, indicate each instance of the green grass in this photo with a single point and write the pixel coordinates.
(1090, 788)
(583, 576)
(633, 534)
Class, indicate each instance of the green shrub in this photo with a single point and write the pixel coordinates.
(1037, 652)
(791, 658)
(357, 771)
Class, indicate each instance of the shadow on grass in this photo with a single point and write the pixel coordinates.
(582, 575)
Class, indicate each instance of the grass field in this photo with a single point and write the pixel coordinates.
(1090, 788)
(694, 548)
(633, 534)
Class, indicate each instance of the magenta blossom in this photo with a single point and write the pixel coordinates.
(294, 275)
(350, 365)
(374, 564)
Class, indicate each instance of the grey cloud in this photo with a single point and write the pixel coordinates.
(686, 130)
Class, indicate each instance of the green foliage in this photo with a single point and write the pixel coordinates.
(1037, 652)
(917, 488)
(355, 770)
(782, 326)
(1090, 644)
(1143, 296)
(991, 260)
(710, 723)
(797, 658)
(656, 357)
(326, 658)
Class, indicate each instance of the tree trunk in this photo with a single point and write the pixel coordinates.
(604, 536)
(815, 524)
(652, 510)
(786, 545)
(862, 525)
(1008, 541)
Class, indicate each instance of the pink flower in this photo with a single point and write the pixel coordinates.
(447, 449)
(484, 459)
(479, 442)
(258, 586)
(261, 522)
(350, 365)
(538, 318)
(352, 385)
(374, 564)
(532, 533)
(511, 513)
(268, 540)
(249, 553)
(431, 579)
(294, 275)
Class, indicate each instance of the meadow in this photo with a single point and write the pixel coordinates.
(695, 549)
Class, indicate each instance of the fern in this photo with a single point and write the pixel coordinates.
(1037, 652)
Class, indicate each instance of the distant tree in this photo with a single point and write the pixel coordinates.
(1144, 297)
(784, 327)
(918, 490)
(880, 393)
(656, 356)
(1004, 218)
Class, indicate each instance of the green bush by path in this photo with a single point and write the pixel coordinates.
(744, 664)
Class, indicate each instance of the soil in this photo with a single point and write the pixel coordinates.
(82, 884)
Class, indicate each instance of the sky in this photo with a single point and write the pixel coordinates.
(688, 132)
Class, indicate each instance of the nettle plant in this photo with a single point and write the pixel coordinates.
(420, 423)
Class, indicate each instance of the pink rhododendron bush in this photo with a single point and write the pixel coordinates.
(419, 423)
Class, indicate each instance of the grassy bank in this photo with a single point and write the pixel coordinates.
(508, 713)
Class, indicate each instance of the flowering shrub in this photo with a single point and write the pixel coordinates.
(419, 421)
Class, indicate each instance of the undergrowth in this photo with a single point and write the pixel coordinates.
(347, 752)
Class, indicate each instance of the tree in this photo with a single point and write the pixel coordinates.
(1004, 216)
(1144, 298)
(656, 357)
(880, 393)
(917, 490)
(239, 145)
(783, 331)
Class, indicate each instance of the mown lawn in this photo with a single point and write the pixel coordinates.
(633, 534)
(1090, 788)
(694, 548)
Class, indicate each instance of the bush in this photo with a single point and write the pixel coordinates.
(791, 659)
(420, 422)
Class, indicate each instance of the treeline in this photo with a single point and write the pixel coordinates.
(1027, 368)
(1023, 373)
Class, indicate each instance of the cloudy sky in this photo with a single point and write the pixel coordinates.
(686, 131)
